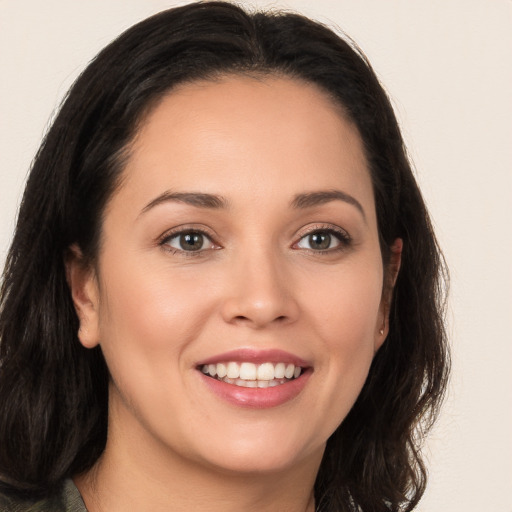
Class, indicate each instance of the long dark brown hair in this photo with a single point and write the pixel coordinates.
(53, 392)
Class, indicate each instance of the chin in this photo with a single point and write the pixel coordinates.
(264, 454)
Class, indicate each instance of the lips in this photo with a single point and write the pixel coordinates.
(256, 379)
(257, 357)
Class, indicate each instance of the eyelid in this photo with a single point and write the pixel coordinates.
(341, 234)
(319, 226)
(164, 239)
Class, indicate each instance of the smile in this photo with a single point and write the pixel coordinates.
(250, 375)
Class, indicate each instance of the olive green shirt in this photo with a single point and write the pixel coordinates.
(67, 500)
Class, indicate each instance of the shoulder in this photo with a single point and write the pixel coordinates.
(68, 499)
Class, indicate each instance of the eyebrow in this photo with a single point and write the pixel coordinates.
(310, 199)
(197, 199)
(213, 201)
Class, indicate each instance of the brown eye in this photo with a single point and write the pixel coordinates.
(323, 240)
(320, 241)
(190, 241)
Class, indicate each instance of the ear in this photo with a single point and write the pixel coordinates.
(390, 277)
(84, 289)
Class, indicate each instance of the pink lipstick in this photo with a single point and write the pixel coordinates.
(255, 378)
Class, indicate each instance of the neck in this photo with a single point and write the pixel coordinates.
(112, 487)
(137, 474)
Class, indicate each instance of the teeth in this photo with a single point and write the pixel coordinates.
(247, 371)
(222, 371)
(288, 373)
(279, 370)
(251, 375)
(254, 383)
(266, 371)
(233, 370)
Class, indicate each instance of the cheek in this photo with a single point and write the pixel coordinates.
(344, 313)
(147, 320)
(147, 323)
(149, 303)
(345, 304)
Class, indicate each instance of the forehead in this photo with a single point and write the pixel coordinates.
(241, 134)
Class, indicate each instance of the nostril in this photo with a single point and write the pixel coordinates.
(257, 311)
(246, 319)
(278, 318)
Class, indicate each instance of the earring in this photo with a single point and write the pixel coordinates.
(381, 332)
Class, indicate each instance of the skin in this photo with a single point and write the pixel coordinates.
(157, 310)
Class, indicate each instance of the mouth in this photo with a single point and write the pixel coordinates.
(251, 375)
(257, 379)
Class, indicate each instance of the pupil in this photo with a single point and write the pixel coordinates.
(320, 240)
(191, 241)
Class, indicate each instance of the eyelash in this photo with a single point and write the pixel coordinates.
(341, 235)
(170, 235)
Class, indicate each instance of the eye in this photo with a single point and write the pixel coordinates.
(189, 241)
(322, 240)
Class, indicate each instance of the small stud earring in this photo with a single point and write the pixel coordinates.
(381, 332)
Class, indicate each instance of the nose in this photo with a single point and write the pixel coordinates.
(259, 292)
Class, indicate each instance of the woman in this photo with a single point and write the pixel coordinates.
(224, 291)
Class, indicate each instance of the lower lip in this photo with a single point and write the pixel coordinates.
(257, 398)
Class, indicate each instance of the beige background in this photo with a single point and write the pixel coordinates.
(448, 67)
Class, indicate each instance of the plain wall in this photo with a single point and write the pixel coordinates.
(448, 67)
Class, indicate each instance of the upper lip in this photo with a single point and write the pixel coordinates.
(256, 356)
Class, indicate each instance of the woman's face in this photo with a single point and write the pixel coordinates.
(242, 240)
